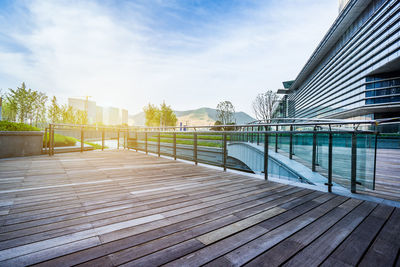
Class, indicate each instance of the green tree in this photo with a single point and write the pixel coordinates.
(25, 105)
(163, 116)
(81, 117)
(68, 115)
(39, 108)
(9, 108)
(54, 111)
(226, 113)
(152, 115)
(168, 117)
(21, 101)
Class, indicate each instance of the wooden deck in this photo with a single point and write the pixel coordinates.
(387, 174)
(125, 208)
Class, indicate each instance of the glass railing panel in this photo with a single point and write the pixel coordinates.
(184, 144)
(140, 143)
(68, 138)
(322, 154)
(238, 156)
(341, 159)
(271, 141)
(152, 142)
(210, 148)
(167, 149)
(284, 143)
(365, 161)
(302, 147)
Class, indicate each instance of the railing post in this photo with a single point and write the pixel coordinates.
(102, 140)
(145, 143)
(291, 142)
(174, 146)
(276, 139)
(258, 136)
(50, 129)
(124, 140)
(195, 148)
(137, 139)
(127, 138)
(118, 139)
(224, 152)
(52, 141)
(266, 156)
(314, 150)
(82, 139)
(45, 140)
(375, 151)
(330, 163)
(159, 143)
(353, 163)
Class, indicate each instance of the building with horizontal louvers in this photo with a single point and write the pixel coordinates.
(354, 73)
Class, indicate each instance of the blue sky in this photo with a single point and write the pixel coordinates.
(189, 53)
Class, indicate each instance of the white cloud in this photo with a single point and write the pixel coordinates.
(86, 49)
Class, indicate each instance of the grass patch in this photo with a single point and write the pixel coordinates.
(94, 145)
(60, 140)
(200, 137)
(186, 142)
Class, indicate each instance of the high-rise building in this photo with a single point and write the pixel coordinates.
(111, 116)
(124, 116)
(354, 73)
(84, 105)
(99, 115)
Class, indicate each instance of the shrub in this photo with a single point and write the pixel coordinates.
(14, 126)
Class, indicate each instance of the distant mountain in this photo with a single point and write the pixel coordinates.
(201, 116)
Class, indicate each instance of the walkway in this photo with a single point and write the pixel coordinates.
(125, 208)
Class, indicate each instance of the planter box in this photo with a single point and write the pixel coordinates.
(19, 144)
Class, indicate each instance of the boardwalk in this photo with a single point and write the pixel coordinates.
(126, 208)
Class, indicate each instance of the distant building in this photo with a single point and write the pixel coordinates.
(124, 116)
(111, 116)
(84, 105)
(99, 115)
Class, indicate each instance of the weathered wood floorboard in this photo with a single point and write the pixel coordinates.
(108, 208)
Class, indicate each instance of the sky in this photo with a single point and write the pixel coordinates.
(188, 53)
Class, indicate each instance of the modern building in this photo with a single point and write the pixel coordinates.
(99, 115)
(342, 4)
(84, 105)
(354, 73)
(124, 116)
(111, 116)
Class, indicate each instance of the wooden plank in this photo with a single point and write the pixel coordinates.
(245, 253)
(159, 256)
(147, 235)
(386, 246)
(352, 249)
(319, 250)
(290, 246)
